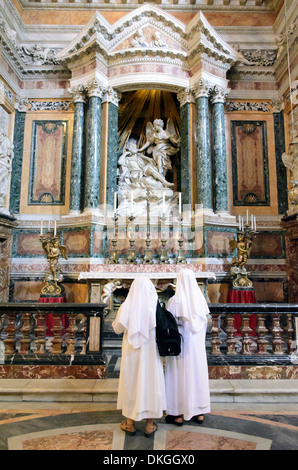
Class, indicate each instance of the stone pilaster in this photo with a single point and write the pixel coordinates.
(185, 98)
(17, 161)
(112, 97)
(79, 98)
(281, 172)
(203, 150)
(93, 142)
(220, 191)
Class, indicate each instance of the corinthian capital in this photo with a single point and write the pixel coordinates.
(219, 94)
(95, 88)
(112, 96)
(21, 104)
(202, 89)
(185, 96)
(78, 93)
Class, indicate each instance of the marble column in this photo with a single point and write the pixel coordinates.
(75, 200)
(17, 162)
(93, 142)
(203, 150)
(113, 98)
(281, 172)
(220, 191)
(185, 98)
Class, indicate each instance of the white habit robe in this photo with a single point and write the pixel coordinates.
(141, 392)
(186, 375)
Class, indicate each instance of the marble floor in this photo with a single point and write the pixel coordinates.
(95, 426)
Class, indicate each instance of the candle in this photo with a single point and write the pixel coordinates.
(252, 221)
(41, 227)
(55, 228)
(255, 220)
(163, 203)
(247, 217)
(242, 225)
(239, 220)
(49, 226)
(179, 203)
(115, 201)
(131, 203)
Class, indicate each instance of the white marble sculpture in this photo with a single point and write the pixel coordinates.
(6, 156)
(290, 160)
(145, 175)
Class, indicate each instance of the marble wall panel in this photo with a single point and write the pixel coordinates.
(218, 242)
(77, 242)
(268, 245)
(48, 162)
(59, 155)
(269, 206)
(26, 244)
(250, 163)
(268, 291)
(29, 291)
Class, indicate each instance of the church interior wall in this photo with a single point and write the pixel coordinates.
(84, 236)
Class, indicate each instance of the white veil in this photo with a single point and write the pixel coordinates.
(190, 302)
(137, 314)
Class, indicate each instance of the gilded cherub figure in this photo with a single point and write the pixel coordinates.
(54, 249)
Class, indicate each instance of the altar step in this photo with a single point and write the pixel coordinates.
(105, 390)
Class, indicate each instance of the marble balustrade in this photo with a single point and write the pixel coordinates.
(23, 339)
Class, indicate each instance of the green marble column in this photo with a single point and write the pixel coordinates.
(17, 161)
(203, 153)
(93, 140)
(220, 191)
(112, 152)
(75, 203)
(185, 176)
(281, 171)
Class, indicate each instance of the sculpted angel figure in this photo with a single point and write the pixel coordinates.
(290, 160)
(6, 156)
(53, 250)
(138, 171)
(243, 245)
(161, 143)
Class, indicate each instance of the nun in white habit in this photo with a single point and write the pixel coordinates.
(186, 375)
(141, 393)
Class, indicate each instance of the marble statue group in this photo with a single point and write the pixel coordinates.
(146, 174)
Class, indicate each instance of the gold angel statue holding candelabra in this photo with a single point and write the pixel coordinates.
(243, 245)
(53, 249)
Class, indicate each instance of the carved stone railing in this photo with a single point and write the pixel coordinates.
(23, 337)
(273, 340)
(77, 340)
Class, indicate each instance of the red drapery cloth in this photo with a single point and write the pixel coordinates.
(243, 296)
(50, 318)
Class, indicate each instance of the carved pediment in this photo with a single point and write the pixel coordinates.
(148, 30)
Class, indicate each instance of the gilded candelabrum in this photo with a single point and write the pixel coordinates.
(163, 254)
(131, 256)
(113, 255)
(181, 253)
(243, 246)
(147, 256)
(53, 278)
